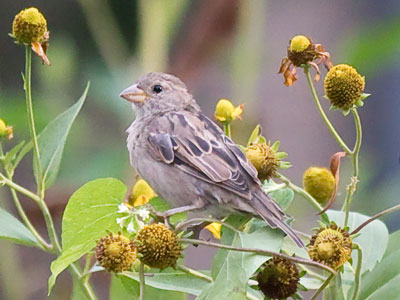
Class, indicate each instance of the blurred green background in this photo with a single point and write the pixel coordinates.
(220, 48)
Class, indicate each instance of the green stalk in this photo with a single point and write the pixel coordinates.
(357, 146)
(227, 129)
(322, 287)
(39, 199)
(357, 278)
(142, 281)
(322, 112)
(29, 107)
(45, 246)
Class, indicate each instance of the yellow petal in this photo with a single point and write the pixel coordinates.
(237, 112)
(215, 229)
(141, 200)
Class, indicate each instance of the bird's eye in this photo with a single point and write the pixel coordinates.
(157, 88)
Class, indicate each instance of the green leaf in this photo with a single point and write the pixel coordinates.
(231, 270)
(373, 238)
(283, 196)
(123, 288)
(11, 155)
(12, 229)
(52, 140)
(172, 280)
(383, 282)
(254, 135)
(91, 212)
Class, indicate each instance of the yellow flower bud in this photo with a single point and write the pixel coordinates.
(343, 86)
(225, 111)
(115, 253)
(215, 229)
(29, 26)
(299, 43)
(158, 246)
(5, 130)
(141, 193)
(319, 183)
(264, 159)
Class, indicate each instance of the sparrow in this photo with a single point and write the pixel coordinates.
(188, 160)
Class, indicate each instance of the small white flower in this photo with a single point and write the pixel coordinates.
(122, 208)
(143, 213)
(121, 221)
(131, 227)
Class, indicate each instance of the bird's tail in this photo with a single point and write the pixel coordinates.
(271, 213)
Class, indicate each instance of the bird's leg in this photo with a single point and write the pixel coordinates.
(180, 209)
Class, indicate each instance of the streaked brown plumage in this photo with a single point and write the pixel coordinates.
(187, 158)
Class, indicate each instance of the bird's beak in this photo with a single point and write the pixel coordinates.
(134, 94)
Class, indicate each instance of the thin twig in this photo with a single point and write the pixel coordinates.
(260, 252)
(378, 215)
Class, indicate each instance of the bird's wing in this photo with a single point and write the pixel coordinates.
(198, 146)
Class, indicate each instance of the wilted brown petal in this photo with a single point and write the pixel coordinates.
(318, 74)
(41, 48)
(335, 166)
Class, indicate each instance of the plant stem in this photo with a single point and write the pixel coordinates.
(357, 278)
(378, 215)
(357, 145)
(260, 252)
(29, 107)
(19, 188)
(86, 287)
(322, 112)
(194, 273)
(142, 282)
(45, 246)
(322, 287)
(300, 191)
(355, 154)
(50, 226)
(227, 129)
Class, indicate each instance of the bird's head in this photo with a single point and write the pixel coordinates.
(158, 92)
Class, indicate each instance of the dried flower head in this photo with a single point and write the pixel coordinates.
(225, 111)
(344, 86)
(215, 229)
(301, 52)
(141, 193)
(278, 278)
(158, 246)
(115, 253)
(319, 183)
(5, 130)
(266, 159)
(29, 26)
(331, 246)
